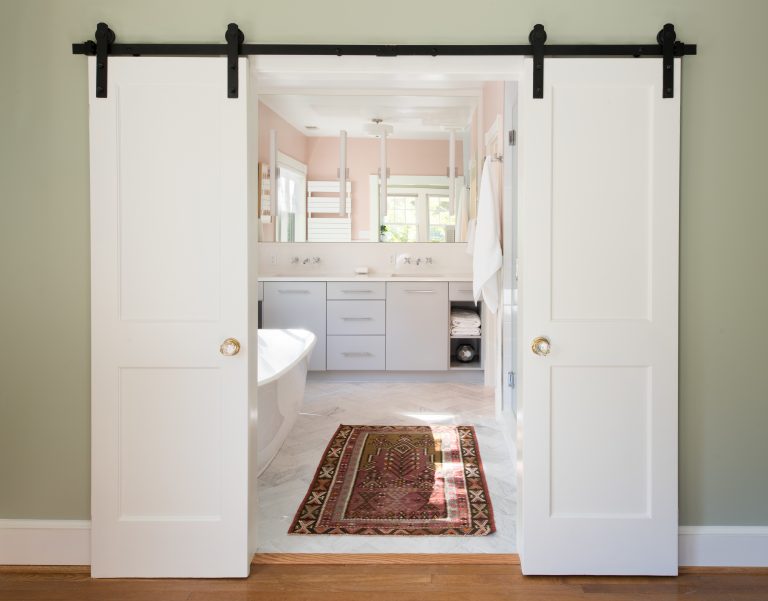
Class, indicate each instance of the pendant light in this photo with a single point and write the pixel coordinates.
(383, 173)
(273, 176)
(452, 172)
(343, 174)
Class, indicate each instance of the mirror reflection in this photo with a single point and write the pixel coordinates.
(406, 164)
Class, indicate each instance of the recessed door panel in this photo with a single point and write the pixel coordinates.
(601, 201)
(169, 197)
(170, 443)
(600, 444)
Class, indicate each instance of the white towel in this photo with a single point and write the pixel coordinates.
(487, 259)
(456, 332)
(465, 318)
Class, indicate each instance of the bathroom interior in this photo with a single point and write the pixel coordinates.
(381, 272)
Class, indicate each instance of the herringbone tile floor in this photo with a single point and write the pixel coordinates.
(283, 485)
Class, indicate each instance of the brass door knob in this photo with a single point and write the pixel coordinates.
(230, 347)
(541, 346)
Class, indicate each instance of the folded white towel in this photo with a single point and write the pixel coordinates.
(465, 332)
(465, 318)
(465, 324)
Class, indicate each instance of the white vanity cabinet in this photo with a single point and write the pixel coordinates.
(417, 326)
(298, 305)
(369, 325)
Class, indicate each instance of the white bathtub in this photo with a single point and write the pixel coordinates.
(282, 377)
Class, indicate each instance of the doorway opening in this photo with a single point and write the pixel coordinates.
(383, 279)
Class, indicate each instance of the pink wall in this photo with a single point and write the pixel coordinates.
(290, 140)
(404, 157)
(493, 103)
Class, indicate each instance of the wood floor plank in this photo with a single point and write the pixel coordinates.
(377, 582)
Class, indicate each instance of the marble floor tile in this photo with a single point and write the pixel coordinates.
(281, 488)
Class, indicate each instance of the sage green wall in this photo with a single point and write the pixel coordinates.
(44, 295)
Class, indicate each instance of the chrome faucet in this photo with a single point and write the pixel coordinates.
(315, 260)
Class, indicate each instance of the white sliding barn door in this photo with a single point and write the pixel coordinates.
(169, 260)
(599, 279)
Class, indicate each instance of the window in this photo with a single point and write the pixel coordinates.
(402, 218)
(418, 209)
(440, 222)
(291, 200)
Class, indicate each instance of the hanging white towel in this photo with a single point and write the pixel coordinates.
(487, 259)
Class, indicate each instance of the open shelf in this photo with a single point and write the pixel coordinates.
(475, 341)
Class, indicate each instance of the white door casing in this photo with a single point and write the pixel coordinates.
(598, 227)
(169, 281)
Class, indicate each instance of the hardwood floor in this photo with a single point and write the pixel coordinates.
(485, 582)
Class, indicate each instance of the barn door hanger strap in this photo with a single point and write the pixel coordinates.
(235, 39)
(667, 47)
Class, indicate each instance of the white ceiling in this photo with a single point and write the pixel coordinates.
(419, 114)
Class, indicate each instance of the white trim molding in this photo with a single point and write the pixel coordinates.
(68, 542)
(727, 546)
(45, 542)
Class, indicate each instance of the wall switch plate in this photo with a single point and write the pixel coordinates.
(274, 259)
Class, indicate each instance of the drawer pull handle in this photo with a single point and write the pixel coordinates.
(465, 290)
(357, 354)
(420, 291)
(357, 291)
(357, 318)
(293, 291)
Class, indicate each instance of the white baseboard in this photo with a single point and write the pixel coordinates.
(68, 542)
(45, 542)
(728, 546)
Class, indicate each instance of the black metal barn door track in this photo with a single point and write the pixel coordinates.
(666, 47)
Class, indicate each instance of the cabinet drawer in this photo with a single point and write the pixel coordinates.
(460, 291)
(356, 290)
(355, 318)
(356, 352)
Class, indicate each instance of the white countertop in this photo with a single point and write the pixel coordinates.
(416, 277)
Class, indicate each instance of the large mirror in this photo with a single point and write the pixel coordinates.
(314, 146)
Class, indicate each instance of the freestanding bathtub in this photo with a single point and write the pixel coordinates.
(282, 377)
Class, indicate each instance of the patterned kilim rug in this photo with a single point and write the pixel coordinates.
(398, 480)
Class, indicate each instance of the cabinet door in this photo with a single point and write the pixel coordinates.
(298, 305)
(417, 325)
